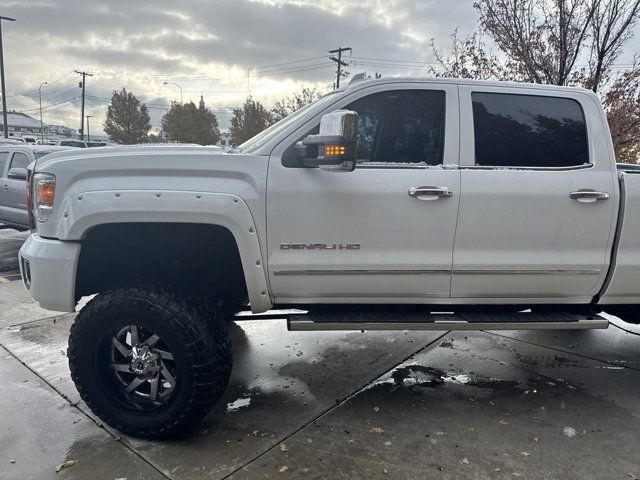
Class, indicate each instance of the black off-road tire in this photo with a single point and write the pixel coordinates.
(213, 309)
(198, 341)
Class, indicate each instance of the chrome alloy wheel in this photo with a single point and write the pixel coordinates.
(143, 366)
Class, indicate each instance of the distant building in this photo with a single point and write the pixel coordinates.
(21, 125)
(61, 130)
(225, 139)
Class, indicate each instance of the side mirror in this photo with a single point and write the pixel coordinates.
(334, 148)
(17, 173)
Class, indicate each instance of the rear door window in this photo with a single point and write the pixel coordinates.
(528, 131)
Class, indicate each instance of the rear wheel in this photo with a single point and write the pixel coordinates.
(148, 362)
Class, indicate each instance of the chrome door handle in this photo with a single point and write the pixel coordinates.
(432, 192)
(588, 196)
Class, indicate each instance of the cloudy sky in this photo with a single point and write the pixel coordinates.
(221, 49)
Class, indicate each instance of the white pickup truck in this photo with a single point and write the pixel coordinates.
(498, 203)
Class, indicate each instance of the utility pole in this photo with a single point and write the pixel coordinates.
(4, 90)
(82, 85)
(41, 124)
(88, 133)
(339, 63)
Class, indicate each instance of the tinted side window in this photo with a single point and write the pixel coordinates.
(403, 126)
(19, 160)
(4, 156)
(528, 131)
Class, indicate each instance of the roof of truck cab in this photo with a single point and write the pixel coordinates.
(459, 81)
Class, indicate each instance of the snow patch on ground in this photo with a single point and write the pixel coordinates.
(459, 379)
(238, 404)
(380, 381)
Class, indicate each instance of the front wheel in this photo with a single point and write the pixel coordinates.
(148, 362)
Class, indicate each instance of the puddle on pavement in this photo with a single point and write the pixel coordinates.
(417, 377)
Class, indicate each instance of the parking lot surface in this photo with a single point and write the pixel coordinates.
(10, 242)
(560, 404)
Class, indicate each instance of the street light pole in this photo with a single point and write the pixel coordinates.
(174, 83)
(4, 91)
(41, 124)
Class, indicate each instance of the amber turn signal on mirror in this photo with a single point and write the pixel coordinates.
(334, 150)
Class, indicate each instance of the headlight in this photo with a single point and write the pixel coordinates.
(44, 191)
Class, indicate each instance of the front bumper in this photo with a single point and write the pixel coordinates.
(48, 270)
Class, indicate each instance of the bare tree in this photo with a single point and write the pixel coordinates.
(560, 42)
(296, 101)
(543, 38)
(612, 26)
(622, 103)
(469, 58)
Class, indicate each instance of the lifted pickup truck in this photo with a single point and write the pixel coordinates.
(374, 206)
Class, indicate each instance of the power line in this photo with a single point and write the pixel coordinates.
(389, 66)
(51, 108)
(217, 110)
(275, 67)
(289, 63)
(30, 93)
(70, 102)
(48, 107)
(51, 99)
(388, 60)
(301, 68)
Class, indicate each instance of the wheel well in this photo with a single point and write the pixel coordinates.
(198, 257)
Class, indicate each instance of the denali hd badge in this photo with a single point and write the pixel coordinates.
(319, 246)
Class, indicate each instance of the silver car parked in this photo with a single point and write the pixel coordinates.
(14, 160)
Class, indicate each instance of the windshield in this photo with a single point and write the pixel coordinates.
(263, 137)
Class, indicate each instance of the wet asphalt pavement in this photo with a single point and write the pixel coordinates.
(10, 242)
(534, 405)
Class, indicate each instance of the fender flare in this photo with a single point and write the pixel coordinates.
(87, 210)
